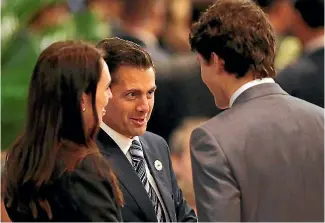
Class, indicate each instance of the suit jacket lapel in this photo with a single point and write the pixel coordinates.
(151, 157)
(126, 174)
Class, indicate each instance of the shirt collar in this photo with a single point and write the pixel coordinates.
(122, 141)
(247, 86)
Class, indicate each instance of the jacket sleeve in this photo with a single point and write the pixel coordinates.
(216, 191)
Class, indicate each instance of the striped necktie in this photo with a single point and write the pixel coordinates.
(139, 165)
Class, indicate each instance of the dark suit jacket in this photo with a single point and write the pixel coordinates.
(138, 206)
(305, 78)
(261, 160)
(76, 196)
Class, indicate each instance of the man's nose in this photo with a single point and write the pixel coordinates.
(143, 105)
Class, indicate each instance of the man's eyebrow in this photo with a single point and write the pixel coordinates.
(133, 90)
(139, 91)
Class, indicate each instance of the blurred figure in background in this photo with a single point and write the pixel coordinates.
(280, 13)
(142, 22)
(175, 36)
(18, 58)
(107, 10)
(49, 22)
(48, 16)
(305, 78)
(77, 19)
(180, 154)
(54, 170)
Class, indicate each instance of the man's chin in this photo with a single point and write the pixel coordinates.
(139, 131)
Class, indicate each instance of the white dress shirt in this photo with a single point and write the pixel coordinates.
(124, 144)
(247, 86)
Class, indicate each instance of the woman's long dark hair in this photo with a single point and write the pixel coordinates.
(54, 128)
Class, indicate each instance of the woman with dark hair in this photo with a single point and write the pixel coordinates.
(54, 170)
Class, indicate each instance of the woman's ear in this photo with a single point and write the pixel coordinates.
(84, 101)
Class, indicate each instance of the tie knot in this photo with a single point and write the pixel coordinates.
(136, 143)
(136, 149)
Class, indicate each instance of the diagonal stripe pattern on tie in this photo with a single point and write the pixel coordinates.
(138, 162)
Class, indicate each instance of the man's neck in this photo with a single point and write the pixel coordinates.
(235, 83)
(245, 85)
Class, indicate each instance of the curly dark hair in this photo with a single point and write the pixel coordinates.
(239, 32)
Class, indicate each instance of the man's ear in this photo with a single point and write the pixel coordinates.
(218, 62)
(215, 59)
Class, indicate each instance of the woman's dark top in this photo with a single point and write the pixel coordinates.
(78, 195)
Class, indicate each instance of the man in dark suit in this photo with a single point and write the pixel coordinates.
(262, 159)
(305, 78)
(140, 159)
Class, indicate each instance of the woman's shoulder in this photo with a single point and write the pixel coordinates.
(74, 158)
(86, 186)
(92, 160)
(92, 166)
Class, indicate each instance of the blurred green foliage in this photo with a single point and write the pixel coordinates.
(20, 49)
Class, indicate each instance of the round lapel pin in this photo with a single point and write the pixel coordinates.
(158, 165)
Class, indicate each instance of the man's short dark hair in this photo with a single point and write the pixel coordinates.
(238, 32)
(119, 52)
